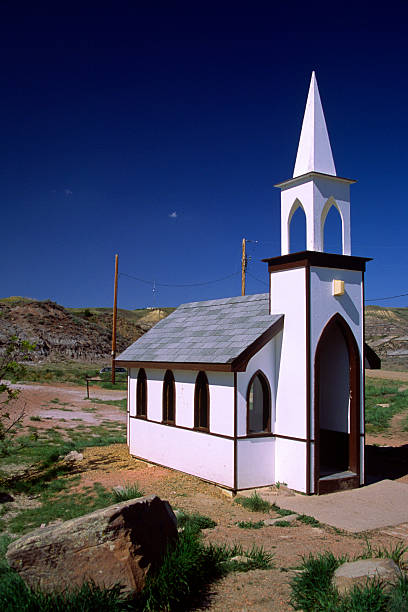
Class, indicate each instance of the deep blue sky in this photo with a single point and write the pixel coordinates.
(113, 117)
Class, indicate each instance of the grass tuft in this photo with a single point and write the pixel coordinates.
(255, 503)
(194, 522)
(308, 520)
(123, 493)
(250, 524)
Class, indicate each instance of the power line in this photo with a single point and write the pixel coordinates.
(257, 279)
(391, 297)
(156, 284)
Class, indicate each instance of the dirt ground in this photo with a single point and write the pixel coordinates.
(258, 590)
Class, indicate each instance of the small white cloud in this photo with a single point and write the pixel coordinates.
(173, 215)
(67, 192)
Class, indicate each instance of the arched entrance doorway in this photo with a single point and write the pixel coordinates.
(337, 408)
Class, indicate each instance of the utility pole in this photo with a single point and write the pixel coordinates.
(115, 304)
(243, 266)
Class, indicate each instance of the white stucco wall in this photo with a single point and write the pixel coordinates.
(197, 453)
(221, 402)
(288, 296)
(255, 462)
(324, 306)
(264, 360)
(350, 306)
(316, 196)
(193, 452)
(290, 463)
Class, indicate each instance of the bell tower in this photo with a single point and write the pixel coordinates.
(315, 186)
(319, 422)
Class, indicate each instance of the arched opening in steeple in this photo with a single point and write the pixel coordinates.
(332, 228)
(297, 228)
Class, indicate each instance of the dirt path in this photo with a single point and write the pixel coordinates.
(65, 407)
(387, 374)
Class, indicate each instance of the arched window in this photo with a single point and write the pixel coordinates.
(258, 405)
(332, 229)
(169, 398)
(202, 403)
(141, 394)
(297, 228)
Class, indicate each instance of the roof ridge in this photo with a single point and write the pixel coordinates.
(208, 303)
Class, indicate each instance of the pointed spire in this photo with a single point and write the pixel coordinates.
(314, 151)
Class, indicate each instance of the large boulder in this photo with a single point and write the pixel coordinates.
(114, 545)
(360, 572)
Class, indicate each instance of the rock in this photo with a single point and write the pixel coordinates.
(289, 518)
(240, 559)
(73, 456)
(359, 572)
(118, 544)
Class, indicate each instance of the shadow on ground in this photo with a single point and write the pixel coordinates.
(385, 462)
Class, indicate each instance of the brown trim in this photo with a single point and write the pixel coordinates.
(201, 378)
(240, 363)
(318, 259)
(192, 429)
(262, 434)
(217, 435)
(338, 484)
(355, 403)
(235, 431)
(268, 399)
(302, 178)
(168, 379)
(308, 381)
(291, 438)
(174, 365)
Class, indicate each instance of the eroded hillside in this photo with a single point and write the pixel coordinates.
(80, 334)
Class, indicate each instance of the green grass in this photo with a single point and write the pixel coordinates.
(250, 524)
(122, 404)
(308, 520)
(378, 417)
(59, 502)
(281, 511)
(187, 570)
(194, 522)
(255, 503)
(312, 588)
(71, 372)
(284, 523)
(123, 493)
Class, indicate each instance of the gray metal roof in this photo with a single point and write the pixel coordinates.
(215, 331)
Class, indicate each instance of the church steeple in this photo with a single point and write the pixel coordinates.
(315, 186)
(314, 151)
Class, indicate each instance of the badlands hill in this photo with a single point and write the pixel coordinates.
(72, 333)
(85, 333)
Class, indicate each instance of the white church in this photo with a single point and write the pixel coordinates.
(250, 391)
